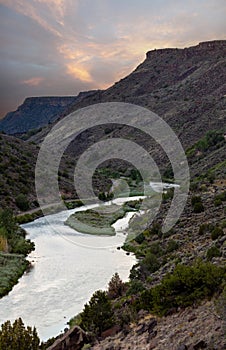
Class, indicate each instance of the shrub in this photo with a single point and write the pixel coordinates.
(196, 199)
(8, 222)
(216, 233)
(135, 286)
(22, 246)
(149, 264)
(204, 228)
(22, 202)
(186, 285)
(212, 138)
(155, 249)
(168, 194)
(212, 253)
(135, 273)
(172, 245)
(222, 196)
(156, 229)
(198, 207)
(217, 202)
(140, 238)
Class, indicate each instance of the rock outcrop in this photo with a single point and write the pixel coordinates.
(74, 339)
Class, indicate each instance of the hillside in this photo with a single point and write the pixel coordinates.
(186, 87)
(17, 174)
(17, 164)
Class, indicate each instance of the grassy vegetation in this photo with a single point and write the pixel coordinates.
(23, 219)
(73, 204)
(212, 140)
(100, 222)
(12, 267)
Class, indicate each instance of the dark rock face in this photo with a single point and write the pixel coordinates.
(74, 339)
(37, 112)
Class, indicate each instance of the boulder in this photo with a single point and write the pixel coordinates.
(74, 339)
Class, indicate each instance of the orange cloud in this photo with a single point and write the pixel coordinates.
(79, 72)
(33, 81)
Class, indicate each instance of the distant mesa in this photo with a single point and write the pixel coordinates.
(203, 46)
(36, 112)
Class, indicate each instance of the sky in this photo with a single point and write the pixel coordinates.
(62, 47)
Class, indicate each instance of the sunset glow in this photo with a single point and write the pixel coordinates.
(60, 47)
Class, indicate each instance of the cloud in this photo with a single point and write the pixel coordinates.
(79, 72)
(33, 81)
(30, 9)
(84, 44)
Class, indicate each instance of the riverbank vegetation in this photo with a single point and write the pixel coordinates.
(14, 247)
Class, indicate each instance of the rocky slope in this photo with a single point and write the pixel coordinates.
(191, 329)
(186, 87)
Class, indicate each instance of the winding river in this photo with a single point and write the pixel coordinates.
(65, 272)
(67, 267)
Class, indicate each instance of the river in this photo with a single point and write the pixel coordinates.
(66, 269)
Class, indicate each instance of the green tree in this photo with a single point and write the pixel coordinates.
(17, 337)
(97, 315)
